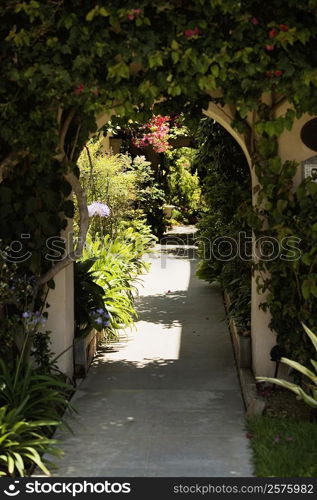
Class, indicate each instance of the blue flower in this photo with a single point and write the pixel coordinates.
(99, 321)
(26, 315)
(100, 311)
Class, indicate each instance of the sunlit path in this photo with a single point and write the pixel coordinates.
(165, 401)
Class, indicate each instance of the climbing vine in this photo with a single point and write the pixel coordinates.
(65, 63)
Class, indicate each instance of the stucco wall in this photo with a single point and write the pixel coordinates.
(61, 319)
(290, 148)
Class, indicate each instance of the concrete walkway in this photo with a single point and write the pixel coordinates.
(165, 400)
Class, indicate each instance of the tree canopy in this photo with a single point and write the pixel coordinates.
(80, 55)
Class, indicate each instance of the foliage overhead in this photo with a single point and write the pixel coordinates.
(92, 57)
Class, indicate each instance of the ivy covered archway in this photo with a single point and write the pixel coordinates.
(63, 64)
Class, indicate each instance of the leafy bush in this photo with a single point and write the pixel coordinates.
(31, 408)
(124, 185)
(90, 310)
(116, 268)
(311, 397)
(225, 173)
(37, 396)
(17, 294)
(150, 195)
(184, 189)
(290, 285)
(22, 442)
(110, 180)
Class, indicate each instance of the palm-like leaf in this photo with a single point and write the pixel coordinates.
(311, 400)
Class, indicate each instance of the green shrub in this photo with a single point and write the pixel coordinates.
(118, 262)
(310, 398)
(108, 179)
(226, 186)
(290, 285)
(127, 186)
(22, 442)
(90, 309)
(184, 189)
(38, 396)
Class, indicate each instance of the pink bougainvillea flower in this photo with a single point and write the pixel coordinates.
(191, 33)
(277, 439)
(273, 33)
(155, 134)
(278, 73)
(284, 27)
(134, 13)
(78, 90)
(269, 47)
(255, 21)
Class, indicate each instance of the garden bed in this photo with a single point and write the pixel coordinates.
(241, 341)
(85, 348)
(254, 403)
(283, 404)
(283, 440)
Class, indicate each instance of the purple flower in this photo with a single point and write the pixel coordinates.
(99, 321)
(100, 311)
(26, 315)
(98, 208)
(277, 439)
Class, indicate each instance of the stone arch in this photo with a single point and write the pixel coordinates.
(290, 148)
(262, 337)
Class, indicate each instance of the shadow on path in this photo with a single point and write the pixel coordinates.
(165, 399)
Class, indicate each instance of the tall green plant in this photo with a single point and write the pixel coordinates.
(32, 404)
(183, 183)
(117, 266)
(22, 442)
(310, 399)
(108, 179)
(38, 396)
(90, 309)
(225, 176)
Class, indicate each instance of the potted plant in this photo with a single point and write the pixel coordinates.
(91, 315)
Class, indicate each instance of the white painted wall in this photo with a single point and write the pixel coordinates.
(61, 318)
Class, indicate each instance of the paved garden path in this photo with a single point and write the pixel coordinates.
(165, 400)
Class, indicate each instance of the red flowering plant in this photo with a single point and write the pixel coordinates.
(155, 133)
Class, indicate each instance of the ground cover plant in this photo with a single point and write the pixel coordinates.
(283, 447)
